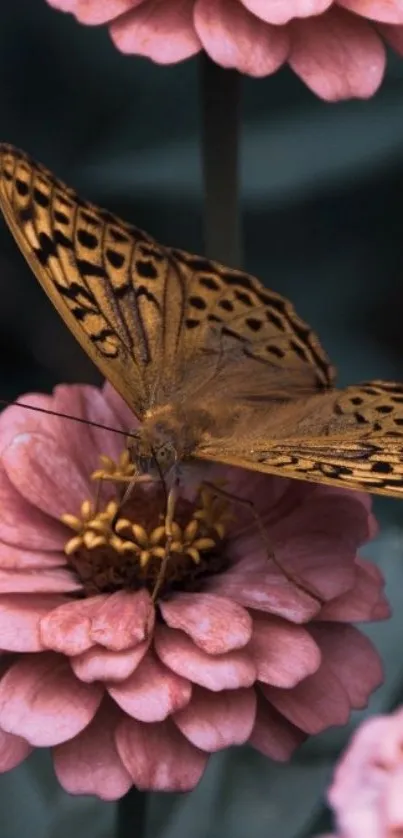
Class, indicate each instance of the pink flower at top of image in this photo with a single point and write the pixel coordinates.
(337, 47)
(127, 686)
(367, 790)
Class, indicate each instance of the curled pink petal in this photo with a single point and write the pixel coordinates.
(273, 11)
(284, 654)
(49, 581)
(94, 12)
(366, 793)
(358, 602)
(35, 530)
(387, 11)
(19, 558)
(152, 692)
(362, 672)
(272, 734)
(13, 750)
(122, 620)
(49, 479)
(337, 55)
(20, 617)
(159, 30)
(229, 671)
(265, 591)
(67, 629)
(18, 420)
(212, 721)
(98, 664)
(393, 36)
(314, 704)
(233, 37)
(90, 763)
(42, 701)
(158, 757)
(215, 624)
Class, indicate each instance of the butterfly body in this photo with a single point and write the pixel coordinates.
(215, 366)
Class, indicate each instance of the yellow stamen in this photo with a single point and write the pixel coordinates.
(191, 530)
(129, 553)
(157, 535)
(194, 554)
(73, 545)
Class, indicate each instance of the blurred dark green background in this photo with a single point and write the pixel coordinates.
(322, 190)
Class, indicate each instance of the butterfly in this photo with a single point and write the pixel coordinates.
(216, 367)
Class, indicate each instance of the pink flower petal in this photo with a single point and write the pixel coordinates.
(48, 581)
(20, 617)
(273, 735)
(357, 603)
(44, 476)
(281, 11)
(84, 443)
(94, 12)
(393, 36)
(387, 11)
(284, 653)
(158, 757)
(35, 530)
(13, 750)
(337, 55)
(90, 763)
(159, 30)
(369, 774)
(20, 558)
(67, 629)
(215, 624)
(318, 539)
(122, 620)
(152, 692)
(42, 700)
(264, 591)
(212, 721)
(229, 671)
(360, 670)
(98, 664)
(314, 704)
(235, 38)
(17, 420)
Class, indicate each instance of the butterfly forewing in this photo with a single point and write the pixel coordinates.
(145, 314)
(169, 328)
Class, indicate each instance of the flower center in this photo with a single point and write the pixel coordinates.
(124, 543)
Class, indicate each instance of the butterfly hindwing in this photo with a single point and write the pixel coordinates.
(351, 438)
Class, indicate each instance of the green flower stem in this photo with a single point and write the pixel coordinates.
(132, 814)
(220, 100)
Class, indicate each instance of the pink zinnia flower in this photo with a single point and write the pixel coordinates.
(127, 691)
(335, 46)
(367, 790)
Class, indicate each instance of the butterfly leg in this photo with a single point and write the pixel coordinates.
(172, 497)
(293, 578)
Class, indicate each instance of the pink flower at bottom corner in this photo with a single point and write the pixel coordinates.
(337, 47)
(129, 686)
(366, 794)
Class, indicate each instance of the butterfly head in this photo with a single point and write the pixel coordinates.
(153, 450)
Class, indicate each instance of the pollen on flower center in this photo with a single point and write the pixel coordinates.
(122, 543)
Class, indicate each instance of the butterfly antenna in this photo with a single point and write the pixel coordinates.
(66, 416)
